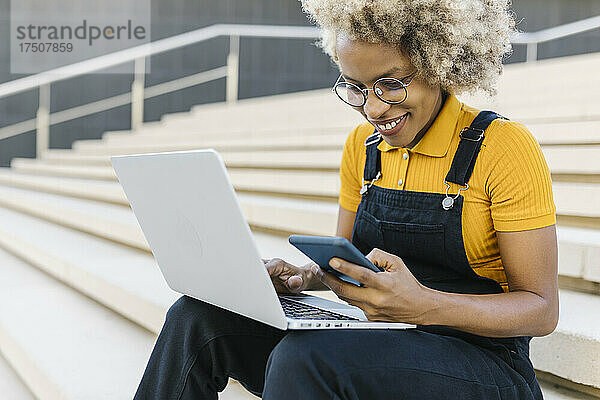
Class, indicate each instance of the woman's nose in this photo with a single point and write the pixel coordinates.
(374, 107)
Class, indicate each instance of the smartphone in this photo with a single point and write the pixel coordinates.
(321, 249)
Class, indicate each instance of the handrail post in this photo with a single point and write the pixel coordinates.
(42, 122)
(137, 93)
(233, 65)
(531, 52)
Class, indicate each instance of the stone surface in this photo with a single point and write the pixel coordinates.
(65, 345)
(572, 352)
(11, 386)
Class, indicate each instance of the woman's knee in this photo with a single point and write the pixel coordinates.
(285, 356)
(297, 355)
(183, 308)
(189, 312)
(301, 367)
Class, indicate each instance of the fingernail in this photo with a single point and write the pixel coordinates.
(315, 270)
(334, 263)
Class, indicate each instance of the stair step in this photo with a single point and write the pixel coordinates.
(577, 199)
(39, 167)
(288, 215)
(109, 221)
(65, 345)
(275, 140)
(68, 157)
(235, 391)
(573, 159)
(569, 133)
(318, 159)
(579, 252)
(572, 351)
(264, 132)
(555, 392)
(11, 385)
(110, 192)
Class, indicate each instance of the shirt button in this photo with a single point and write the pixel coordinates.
(405, 156)
(400, 182)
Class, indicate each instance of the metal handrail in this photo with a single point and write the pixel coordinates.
(139, 92)
(532, 39)
(153, 48)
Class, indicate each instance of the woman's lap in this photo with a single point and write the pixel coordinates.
(212, 344)
(390, 364)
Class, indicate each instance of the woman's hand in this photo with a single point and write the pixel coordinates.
(393, 295)
(290, 279)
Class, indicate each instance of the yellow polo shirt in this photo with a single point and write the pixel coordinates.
(510, 188)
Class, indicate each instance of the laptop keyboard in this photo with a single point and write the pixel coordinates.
(298, 310)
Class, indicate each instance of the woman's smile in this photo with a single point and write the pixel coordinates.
(392, 126)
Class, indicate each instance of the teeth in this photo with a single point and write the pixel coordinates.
(391, 125)
(400, 119)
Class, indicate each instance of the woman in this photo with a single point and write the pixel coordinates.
(462, 220)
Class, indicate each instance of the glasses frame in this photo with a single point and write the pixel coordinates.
(365, 91)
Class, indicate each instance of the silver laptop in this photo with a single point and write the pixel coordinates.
(190, 215)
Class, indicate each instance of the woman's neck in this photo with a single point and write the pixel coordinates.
(438, 107)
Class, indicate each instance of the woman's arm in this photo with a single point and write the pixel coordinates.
(345, 223)
(530, 308)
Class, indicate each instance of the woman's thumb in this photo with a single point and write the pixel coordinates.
(294, 282)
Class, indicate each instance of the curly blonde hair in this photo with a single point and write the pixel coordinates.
(456, 44)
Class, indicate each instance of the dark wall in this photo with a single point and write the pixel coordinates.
(534, 15)
(267, 66)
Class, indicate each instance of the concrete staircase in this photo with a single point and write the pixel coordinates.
(84, 300)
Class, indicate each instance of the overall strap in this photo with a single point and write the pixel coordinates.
(373, 161)
(468, 148)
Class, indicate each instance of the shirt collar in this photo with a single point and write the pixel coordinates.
(436, 141)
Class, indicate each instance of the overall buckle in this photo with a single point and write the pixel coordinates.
(366, 186)
(448, 201)
(374, 138)
(480, 131)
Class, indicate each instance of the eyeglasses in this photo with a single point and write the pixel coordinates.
(388, 90)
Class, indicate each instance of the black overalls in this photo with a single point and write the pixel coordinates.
(201, 345)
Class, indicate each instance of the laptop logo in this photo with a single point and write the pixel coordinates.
(187, 236)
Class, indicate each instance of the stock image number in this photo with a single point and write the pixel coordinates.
(47, 47)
